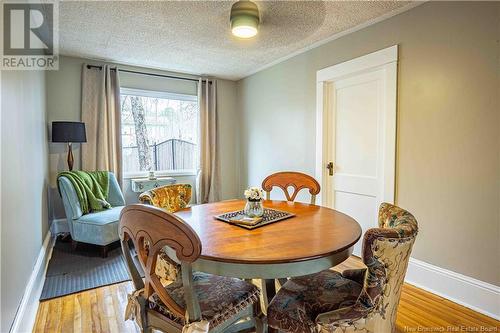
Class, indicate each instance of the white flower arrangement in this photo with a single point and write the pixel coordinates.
(254, 194)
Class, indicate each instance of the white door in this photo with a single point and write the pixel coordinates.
(359, 141)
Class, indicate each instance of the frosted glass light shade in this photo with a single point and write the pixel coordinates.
(244, 19)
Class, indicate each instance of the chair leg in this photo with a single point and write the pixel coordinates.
(74, 244)
(65, 237)
(104, 251)
(144, 316)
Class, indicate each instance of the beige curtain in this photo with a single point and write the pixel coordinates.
(101, 115)
(208, 189)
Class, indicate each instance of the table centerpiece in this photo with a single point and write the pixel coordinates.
(254, 206)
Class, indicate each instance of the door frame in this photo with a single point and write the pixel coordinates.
(386, 60)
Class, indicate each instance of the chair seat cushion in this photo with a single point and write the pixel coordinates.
(102, 217)
(220, 297)
(100, 228)
(302, 299)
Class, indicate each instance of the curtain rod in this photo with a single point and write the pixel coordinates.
(150, 74)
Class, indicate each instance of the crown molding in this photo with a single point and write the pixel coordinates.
(337, 36)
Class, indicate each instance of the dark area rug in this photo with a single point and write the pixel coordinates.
(74, 271)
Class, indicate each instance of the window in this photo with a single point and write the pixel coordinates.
(159, 131)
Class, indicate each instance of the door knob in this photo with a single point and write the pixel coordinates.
(330, 168)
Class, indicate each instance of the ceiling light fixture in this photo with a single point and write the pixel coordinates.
(244, 19)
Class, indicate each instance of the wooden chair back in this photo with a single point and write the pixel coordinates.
(150, 229)
(296, 180)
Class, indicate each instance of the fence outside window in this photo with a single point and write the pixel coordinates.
(171, 154)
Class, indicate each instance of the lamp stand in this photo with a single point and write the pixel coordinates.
(70, 157)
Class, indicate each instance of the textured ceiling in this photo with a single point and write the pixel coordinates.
(194, 36)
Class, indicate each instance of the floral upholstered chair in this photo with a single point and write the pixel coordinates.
(364, 300)
(171, 198)
(194, 302)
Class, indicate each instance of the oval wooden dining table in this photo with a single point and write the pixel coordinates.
(316, 238)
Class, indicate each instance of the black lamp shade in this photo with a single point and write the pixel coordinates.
(68, 131)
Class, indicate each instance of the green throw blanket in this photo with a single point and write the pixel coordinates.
(91, 189)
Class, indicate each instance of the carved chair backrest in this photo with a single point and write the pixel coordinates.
(296, 180)
(150, 229)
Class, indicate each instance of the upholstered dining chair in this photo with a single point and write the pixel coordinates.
(296, 180)
(170, 197)
(195, 301)
(363, 300)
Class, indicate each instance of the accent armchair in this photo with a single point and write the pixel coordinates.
(99, 228)
(361, 300)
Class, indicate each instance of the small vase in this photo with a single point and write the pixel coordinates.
(254, 208)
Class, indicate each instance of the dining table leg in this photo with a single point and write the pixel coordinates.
(268, 292)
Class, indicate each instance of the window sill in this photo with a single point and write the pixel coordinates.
(171, 173)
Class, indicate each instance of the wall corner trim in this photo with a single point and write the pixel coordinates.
(474, 294)
(26, 312)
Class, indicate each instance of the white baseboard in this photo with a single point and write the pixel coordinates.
(26, 313)
(472, 293)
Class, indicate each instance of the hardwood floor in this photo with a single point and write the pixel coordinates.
(102, 310)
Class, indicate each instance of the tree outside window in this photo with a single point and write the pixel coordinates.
(159, 131)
